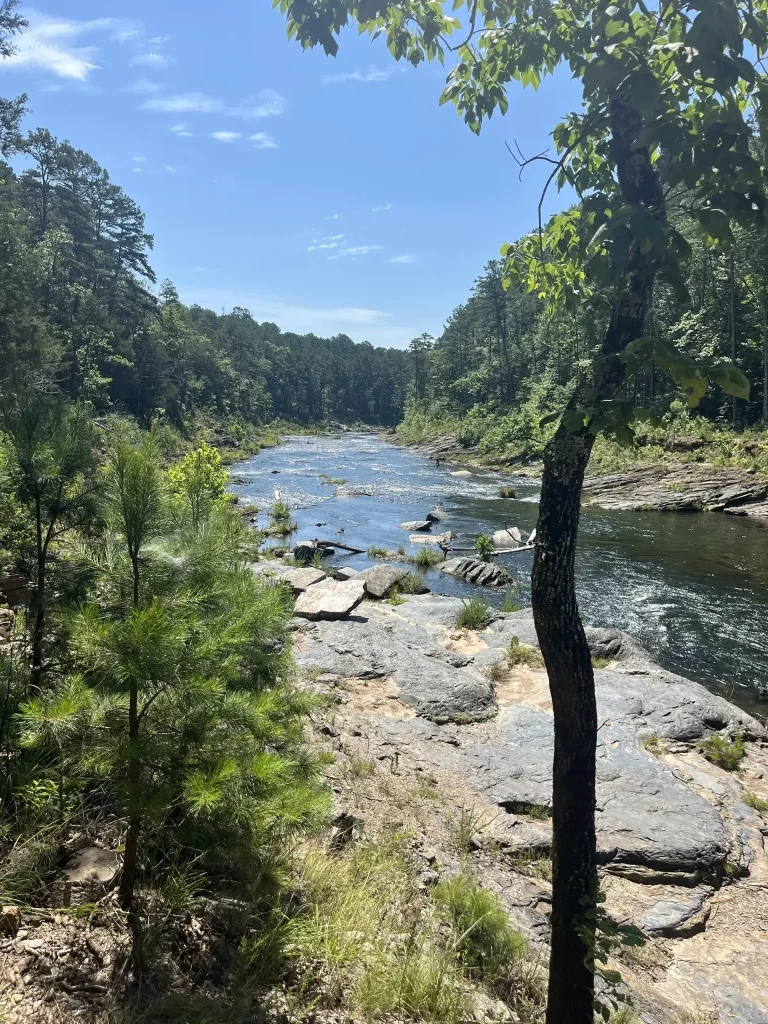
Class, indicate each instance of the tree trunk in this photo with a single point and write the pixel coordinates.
(558, 623)
(38, 619)
(765, 360)
(732, 287)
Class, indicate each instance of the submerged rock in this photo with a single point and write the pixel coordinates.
(484, 574)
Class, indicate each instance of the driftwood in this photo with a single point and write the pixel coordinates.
(332, 544)
(500, 551)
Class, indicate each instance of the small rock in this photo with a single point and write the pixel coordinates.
(380, 579)
(417, 525)
(10, 920)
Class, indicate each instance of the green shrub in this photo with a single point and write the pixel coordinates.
(484, 547)
(725, 753)
(488, 946)
(473, 614)
(757, 803)
(601, 662)
(427, 558)
(280, 512)
(522, 654)
(510, 604)
(413, 583)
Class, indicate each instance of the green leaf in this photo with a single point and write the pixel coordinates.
(730, 378)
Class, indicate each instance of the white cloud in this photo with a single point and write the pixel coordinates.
(226, 136)
(49, 44)
(181, 130)
(152, 60)
(381, 209)
(137, 170)
(185, 103)
(261, 140)
(373, 74)
(323, 245)
(139, 159)
(361, 324)
(127, 35)
(171, 170)
(267, 103)
(355, 250)
(407, 258)
(159, 40)
(328, 238)
(142, 86)
(333, 216)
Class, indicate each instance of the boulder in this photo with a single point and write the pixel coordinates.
(417, 524)
(436, 515)
(484, 574)
(305, 550)
(330, 599)
(460, 472)
(85, 877)
(437, 538)
(380, 579)
(10, 920)
(511, 538)
(300, 579)
(345, 572)
(677, 917)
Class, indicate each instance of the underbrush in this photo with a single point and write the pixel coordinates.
(363, 937)
(522, 654)
(725, 753)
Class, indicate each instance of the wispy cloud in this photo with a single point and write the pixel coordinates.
(267, 103)
(261, 140)
(323, 245)
(181, 130)
(137, 170)
(373, 74)
(152, 60)
(355, 250)
(139, 159)
(142, 86)
(409, 257)
(381, 209)
(185, 103)
(226, 136)
(333, 216)
(52, 44)
(171, 170)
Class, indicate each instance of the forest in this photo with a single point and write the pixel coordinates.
(171, 780)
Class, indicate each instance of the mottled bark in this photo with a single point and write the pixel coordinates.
(558, 623)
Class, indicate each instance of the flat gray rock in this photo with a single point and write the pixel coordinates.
(511, 538)
(345, 572)
(380, 579)
(417, 524)
(685, 486)
(330, 600)
(684, 915)
(301, 579)
(646, 814)
(438, 538)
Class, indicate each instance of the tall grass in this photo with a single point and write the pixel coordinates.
(473, 614)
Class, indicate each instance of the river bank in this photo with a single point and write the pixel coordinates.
(445, 735)
(682, 483)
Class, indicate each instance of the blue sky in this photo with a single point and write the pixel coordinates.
(325, 194)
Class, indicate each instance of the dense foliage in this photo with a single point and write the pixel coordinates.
(505, 360)
(77, 301)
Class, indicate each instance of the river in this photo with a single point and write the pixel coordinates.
(691, 588)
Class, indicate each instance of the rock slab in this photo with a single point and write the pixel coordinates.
(380, 579)
(301, 579)
(330, 600)
(417, 524)
(484, 574)
(674, 488)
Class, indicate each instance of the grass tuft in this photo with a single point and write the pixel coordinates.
(757, 803)
(473, 614)
(522, 654)
(725, 753)
(427, 558)
(377, 552)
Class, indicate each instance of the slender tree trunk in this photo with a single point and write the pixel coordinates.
(38, 619)
(131, 849)
(558, 623)
(765, 360)
(732, 288)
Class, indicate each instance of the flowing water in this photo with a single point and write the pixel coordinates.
(692, 588)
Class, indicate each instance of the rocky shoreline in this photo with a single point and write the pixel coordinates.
(681, 845)
(657, 487)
